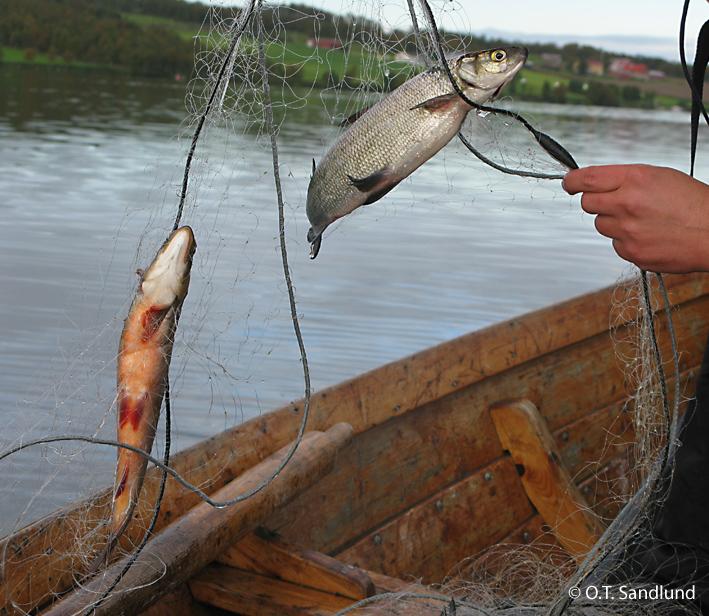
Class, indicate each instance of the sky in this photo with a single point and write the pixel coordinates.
(657, 19)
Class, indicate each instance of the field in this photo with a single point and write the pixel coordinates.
(292, 59)
(11, 55)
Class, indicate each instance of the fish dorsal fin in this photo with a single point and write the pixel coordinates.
(437, 103)
(313, 171)
(355, 116)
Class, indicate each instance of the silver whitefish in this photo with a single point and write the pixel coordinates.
(397, 135)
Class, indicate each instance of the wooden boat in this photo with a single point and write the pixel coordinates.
(501, 435)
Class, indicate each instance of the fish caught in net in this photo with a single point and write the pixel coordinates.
(253, 70)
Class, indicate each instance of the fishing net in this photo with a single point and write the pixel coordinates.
(264, 74)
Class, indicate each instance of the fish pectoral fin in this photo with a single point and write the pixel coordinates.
(371, 182)
(375, 196)
(355, 116)
(437, 103)
(377, 184)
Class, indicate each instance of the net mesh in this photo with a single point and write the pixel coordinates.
(329, 69)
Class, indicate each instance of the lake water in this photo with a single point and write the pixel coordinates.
(90, 166)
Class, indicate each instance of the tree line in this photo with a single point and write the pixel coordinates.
(92, 32)
(96, 31)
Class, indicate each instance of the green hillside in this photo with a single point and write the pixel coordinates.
(157, 38)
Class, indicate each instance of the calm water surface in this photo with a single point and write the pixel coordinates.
(89, 172)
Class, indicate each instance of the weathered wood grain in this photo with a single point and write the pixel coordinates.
(407, 459)
(180, 602)
(269, 555)
(432, 537)
(524, 434)
(250, 594)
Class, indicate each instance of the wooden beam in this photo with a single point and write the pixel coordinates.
(269, 555)
(197, 538)
(525, 435)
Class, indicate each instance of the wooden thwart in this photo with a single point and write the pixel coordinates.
(196, 539)
(524, 434)
(256, 578)
(271, 556)
(250, 594)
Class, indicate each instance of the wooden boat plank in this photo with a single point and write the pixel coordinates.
(608, 489)
(389, 470)
(271, 556)
(533, 530)
(196, 539)
(40, 559)
(429, 539)
(546, 481)
(251, 594)
(411, 457)
(180, 602)
(590, 442)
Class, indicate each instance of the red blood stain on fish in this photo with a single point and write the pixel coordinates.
(152, 318)
(131, 411)
(122, 483)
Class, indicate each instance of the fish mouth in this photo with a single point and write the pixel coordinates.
(511, 74)
(165, 281)
(496, 93)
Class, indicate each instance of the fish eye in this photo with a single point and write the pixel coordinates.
(499, 55)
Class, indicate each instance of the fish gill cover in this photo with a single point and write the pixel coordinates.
(240, 323)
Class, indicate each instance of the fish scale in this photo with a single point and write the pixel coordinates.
(369, 145)
(391, 140)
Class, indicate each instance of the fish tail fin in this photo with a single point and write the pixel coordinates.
(315, 240)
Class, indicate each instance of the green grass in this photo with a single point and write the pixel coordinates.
(530, 82)
(185, 31)
(314, 66)
(12, 55)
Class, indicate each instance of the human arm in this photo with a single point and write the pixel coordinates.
(658, 218)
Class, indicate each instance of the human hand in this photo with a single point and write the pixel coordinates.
(658, 218)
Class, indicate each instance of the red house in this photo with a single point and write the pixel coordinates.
(324, 43)
(625, 68)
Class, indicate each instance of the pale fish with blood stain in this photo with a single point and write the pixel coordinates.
(143, 362)
(387, 142)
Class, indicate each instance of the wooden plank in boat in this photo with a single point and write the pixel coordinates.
(250, 594)
(196, 539)
(524, 434)
(388, 470)
(432, 537)
(383, 473)
(180, 602)
(609, 487)
(41, 558)
(588, 443)
(268, 555)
